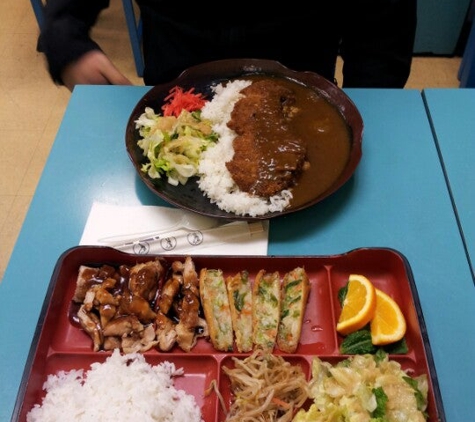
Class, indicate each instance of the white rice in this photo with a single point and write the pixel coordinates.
(215, 180)
(123, 388)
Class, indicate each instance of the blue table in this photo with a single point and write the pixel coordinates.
(397, 198)
(452, 113)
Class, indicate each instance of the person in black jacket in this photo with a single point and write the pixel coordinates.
(375, 38)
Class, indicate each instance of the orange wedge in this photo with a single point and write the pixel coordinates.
(388, 324)
(359, 305)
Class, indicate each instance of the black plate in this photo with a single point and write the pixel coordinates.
(202, 78)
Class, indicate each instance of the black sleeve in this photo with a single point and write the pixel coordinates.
(65, 33)
(377, 43)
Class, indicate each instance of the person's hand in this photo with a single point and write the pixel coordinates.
(93, 68)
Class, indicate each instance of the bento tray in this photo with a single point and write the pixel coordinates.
(60, 344)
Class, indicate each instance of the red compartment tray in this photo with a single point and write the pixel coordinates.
(59, 344)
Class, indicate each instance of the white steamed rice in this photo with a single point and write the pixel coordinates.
(123, 388)
(215, 180)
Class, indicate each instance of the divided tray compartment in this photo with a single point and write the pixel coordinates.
(60, 343)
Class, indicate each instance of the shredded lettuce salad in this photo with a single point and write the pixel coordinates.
(365, 388)
(173, 145)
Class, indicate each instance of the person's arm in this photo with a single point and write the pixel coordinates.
(72, 56)
(377, 44)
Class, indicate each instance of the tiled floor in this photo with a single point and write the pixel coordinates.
(31, 106)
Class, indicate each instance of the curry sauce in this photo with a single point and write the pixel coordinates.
(319, 126)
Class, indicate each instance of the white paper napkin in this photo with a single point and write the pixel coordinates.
(136, 229)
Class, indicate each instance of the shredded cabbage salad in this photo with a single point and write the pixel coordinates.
(365, 388)
(173, 144)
